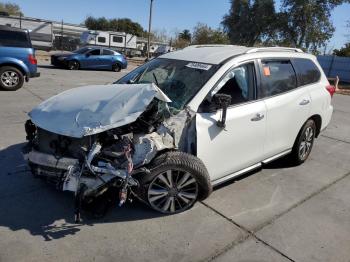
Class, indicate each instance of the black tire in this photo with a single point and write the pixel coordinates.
(116, 67)
(183, 165)
(298, 155)
(11, 79)
(73, 65)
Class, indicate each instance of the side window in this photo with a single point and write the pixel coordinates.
(107, 52)
(94, 52)
(277, 77)
(117, 39)
(14, 39)
(239, 83)
(307, 71)
(101, 39)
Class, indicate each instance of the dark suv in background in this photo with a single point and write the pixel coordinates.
(17, 58)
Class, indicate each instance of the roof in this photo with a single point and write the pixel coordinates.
(13, 29)
(216, 54)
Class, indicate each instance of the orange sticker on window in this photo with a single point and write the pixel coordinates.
(267, 71)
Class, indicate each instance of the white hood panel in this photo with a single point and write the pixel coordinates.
(90, 110)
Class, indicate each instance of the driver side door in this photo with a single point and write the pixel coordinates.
(229, 151)
(91, 59)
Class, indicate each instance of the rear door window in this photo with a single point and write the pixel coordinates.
(307, 71)
(107, 52)
(278, 76)
(14, 39)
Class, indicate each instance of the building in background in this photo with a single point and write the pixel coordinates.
(52, 35)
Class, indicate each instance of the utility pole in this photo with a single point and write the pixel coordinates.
(149, 29)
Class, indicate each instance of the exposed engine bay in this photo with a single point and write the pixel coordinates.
(116, 157)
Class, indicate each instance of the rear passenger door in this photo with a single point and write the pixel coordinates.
(287, 105)
(107, 59)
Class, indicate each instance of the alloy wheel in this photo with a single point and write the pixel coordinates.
(306, 143)
(172, 191)
(9, 79)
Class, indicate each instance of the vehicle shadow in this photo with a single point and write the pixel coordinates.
(82, 69)
(34, 205)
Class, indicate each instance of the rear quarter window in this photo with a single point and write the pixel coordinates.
(14, 39)
(307, 71)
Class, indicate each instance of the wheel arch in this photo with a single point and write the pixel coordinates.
(15, 65)
(318, 121)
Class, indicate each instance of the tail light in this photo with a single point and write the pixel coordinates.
(32, 60)
(331, 89)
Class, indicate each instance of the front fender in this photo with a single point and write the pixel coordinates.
(15, 62)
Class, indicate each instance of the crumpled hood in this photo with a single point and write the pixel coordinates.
(90, 110)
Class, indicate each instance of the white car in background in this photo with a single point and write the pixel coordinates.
(173, 128)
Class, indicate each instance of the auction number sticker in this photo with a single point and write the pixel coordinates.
(199, 66)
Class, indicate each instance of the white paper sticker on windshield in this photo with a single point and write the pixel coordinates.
(199, 66)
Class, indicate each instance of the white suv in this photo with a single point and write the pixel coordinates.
(176, 126)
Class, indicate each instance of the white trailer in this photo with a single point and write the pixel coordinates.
(115, 40)
(40, 30)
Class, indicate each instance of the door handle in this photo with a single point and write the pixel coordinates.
(304, 102)
(258, 117)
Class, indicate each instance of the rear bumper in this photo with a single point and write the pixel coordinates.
(33, 75)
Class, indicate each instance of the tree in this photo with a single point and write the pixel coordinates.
(203, 34)
(185, 35)
(306, 24)
(10, 9)
(344, 51)
(249, 23)
(118, 25)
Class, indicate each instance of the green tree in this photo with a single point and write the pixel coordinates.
(203, 34)
(185, 35)
(118, 25)
(306, 24)
(10, 9)
(250, 22)
(344, 51)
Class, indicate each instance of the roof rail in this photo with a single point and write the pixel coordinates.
(274, 49)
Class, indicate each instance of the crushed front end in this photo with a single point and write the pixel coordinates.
(102, 158)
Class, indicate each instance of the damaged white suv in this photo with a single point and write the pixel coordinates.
(178, 125)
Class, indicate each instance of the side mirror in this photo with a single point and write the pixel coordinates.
(87, 55)
(222, 101)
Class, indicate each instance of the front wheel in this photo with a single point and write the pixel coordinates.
(11, 78)
(73, 65)
(176, 182)
(304, 142)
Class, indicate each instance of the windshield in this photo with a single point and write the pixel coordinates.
(179, 80)
(81, 50)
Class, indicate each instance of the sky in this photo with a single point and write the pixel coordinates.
(173, 15)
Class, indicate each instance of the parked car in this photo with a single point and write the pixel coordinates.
(180, 124)
(91, 58)
(17, 58)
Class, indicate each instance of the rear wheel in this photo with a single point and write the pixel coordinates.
(116, 67)
(73, 65)
(11, 78)
(304, 142)
(176, 182)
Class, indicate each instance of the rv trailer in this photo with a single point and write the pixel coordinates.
(116, 40)
(40, 30)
